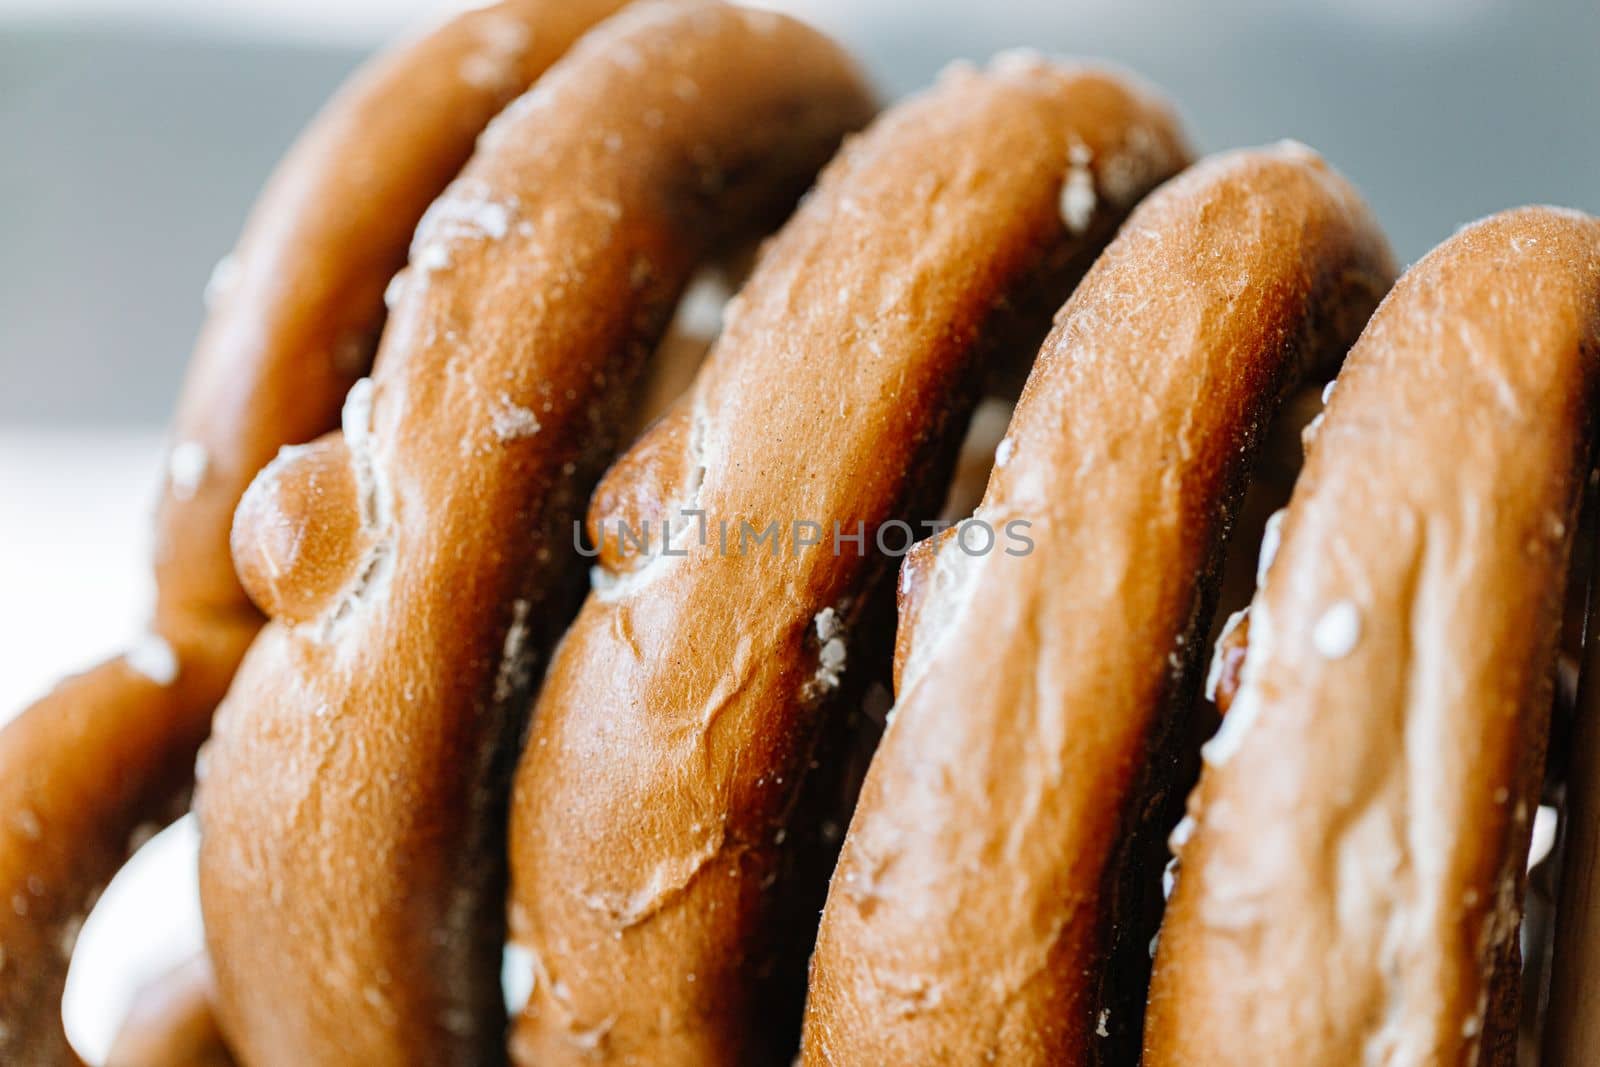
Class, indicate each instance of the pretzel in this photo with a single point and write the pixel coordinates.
(1352, 864)
(665, 843)
(1037, 728)
(403, 552)
(418, 566)
(296, 311)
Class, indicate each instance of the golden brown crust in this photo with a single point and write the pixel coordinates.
(84, 771)
(1397, 685)
(982, 910)
(352, 812)
(172, 1023)
(289, 332)
(657, 851)
(299, 537)
(299, 305)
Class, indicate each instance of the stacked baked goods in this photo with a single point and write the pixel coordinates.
(489, 681)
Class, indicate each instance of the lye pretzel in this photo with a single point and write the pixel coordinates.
(419, 564)
(1352, 867)
(1015, 803)
(665, 904)
(549, 652)
(296, 311)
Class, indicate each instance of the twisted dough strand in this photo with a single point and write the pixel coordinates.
(296, 313)
(666, 857)
(1038, 725)
(352, 836)
(1395, 694)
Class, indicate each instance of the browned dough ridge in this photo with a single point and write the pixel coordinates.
(418, 567)
(1352, 866)
(664, 879)
(297, 310)
(993, 903)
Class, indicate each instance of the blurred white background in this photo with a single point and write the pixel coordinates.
(134, 134)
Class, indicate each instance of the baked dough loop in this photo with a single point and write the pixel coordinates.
(999, 882)
(295, 313)
(1351, 890)
(668, 841)
(352, 870)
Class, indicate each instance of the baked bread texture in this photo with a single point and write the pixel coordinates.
(667, 902)
(577, 629)
(295, 313)
(994, 900)
(1352, 864)
(418, 565)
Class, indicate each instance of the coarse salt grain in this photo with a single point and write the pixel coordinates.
(1214, 673)
(393, 291)
(1335, 634)
(224, 276)
(1271, 538)
(511, 420)
(1236, 725)
(1077, 199)
(827, 624)
(186, 468)
(155, 659)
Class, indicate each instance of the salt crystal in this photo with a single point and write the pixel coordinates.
(1337, 631)
(434, 256)
(1214, 673)
(483, 71)
(392, 292)
(1227, 741)
(186, 468)
(224, 276)
(1271, 538)
(827, 623)
(1077, 199)
(511, 421)
(27, 824)
(155, 659)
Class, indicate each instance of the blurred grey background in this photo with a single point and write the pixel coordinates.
(133, 135)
